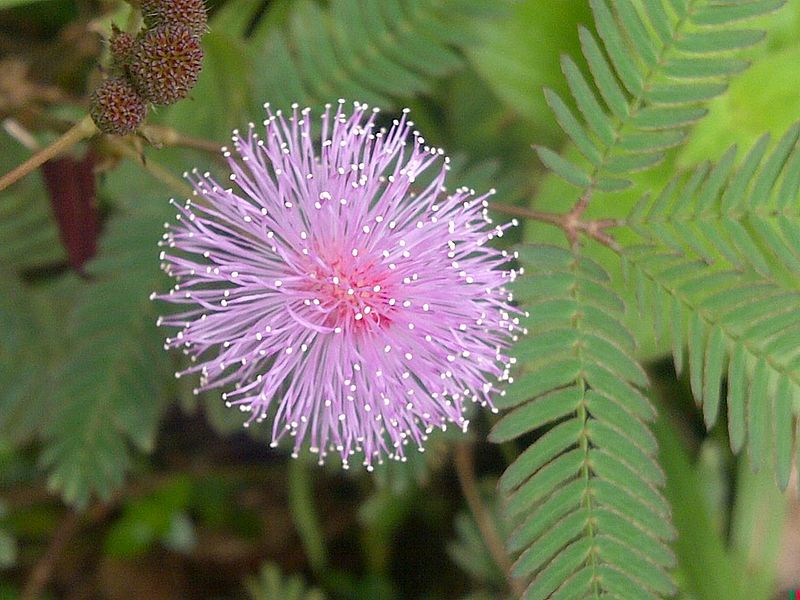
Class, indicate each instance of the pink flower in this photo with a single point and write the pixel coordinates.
(327, 293)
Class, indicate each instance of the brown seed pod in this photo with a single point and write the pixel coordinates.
(116, 107)
(166, 63)
(190, 13)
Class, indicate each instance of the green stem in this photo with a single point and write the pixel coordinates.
(304, 514)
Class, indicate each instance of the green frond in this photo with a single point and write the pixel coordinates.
(374, 52)
(585, 495)
(28, 231)
(736, 324)
(719, 274)
(271, 584)
(19, 367)
(747, 219)
(109, 389)
(652, 70)
(31, 332)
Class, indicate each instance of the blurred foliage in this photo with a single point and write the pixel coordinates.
(271, 585)
(177, 501)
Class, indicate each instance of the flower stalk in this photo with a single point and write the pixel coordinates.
(82, 130)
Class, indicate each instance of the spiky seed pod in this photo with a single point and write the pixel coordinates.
(116, 107)
(166, 63)
(190, 13)
(121, 46)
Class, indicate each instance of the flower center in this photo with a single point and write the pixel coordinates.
(350, 293)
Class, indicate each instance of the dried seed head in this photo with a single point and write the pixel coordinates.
(190, 13)
(116, 107)
(121, 46)
(166, 63)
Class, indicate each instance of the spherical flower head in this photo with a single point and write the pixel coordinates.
(191, 13)
(333, 292)
(166, 63)
(116, 107)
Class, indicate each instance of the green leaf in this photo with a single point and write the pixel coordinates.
(222, 99)
(563, 168)
(590, 475)
(741, 318)
(723, 14)
(639, 71)
(532, 415)
(334, 52)
(109, 389)
(712, 375)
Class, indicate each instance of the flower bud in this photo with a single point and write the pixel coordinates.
(121, 46)
(166, 63)
(116, 107)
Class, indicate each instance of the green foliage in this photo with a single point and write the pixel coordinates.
(713, 267)
(12, 3)
(724, 554)
(28, 230)
(17, 372)
(719, 273)
(711, 261)
(8, 545)
(469, 551)
(518, 54)
(109, 390)
(31, 330)
(658, 65)
(375, 52)
(157, 517)
(585, 493)
(271, 584)
(762, 99)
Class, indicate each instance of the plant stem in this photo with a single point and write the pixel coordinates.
(465, 469)
(570, 223)
(83, 129)
(166, 136)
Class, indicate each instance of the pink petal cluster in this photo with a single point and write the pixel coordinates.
(332, 292)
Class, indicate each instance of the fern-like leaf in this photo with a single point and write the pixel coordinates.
(109, 390)
(371, 51)
(747, 218)
(586, 493)
(719, 272)
(28, 231)
(19, 367)
(735, 324)
(652, 86)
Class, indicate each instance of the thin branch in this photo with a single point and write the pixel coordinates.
(159, 136)
(43, 570)
(527, 213)
(69, 526)
(83, 129)
(465, 469)
(570, 223)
